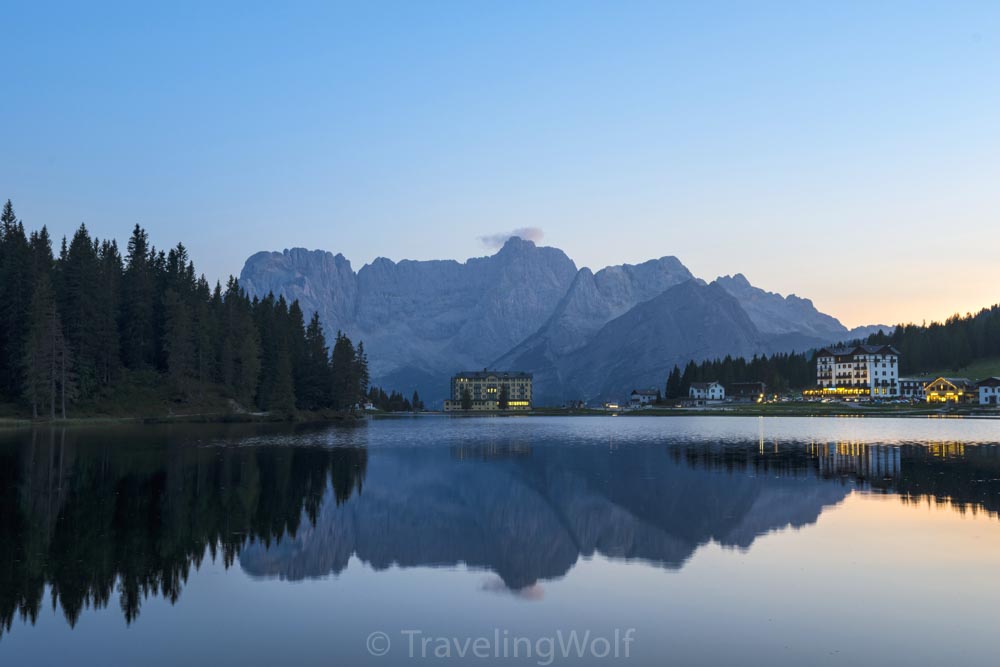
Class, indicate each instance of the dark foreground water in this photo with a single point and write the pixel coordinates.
(633, 541)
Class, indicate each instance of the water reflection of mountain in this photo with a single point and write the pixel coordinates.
(91, 514)
(532, 517)
(97, 514)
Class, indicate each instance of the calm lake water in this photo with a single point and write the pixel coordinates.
(687, 541)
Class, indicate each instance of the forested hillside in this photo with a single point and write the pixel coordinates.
(91, 326)
(780, 372)
(954, 343)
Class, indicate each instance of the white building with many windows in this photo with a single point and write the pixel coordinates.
(914, 388)
(707, 391)
(861, 371)
(989, 391)
(641, 397)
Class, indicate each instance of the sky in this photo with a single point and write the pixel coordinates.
(848, 152)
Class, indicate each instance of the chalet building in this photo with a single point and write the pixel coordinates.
(914, 388)
(707, 391)
(641, 397)
(484, 389)
(989, 391)
(746, 391)
(951, 390)
(862, 370)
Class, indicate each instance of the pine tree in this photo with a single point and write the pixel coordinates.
(16, 287)
(138, 345)
(361, 375)
(78, 297)
(673, 388)
(315, 382)
(178, 343)
(108, 343)
(466, 399)
(283, 391)
(502, 397)
(296, 332)
(48, 378)
(344, 369)
(239, 353)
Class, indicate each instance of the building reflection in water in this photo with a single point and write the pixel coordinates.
(88, 516)
(863, 461)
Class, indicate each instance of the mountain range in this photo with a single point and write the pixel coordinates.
(585, 335)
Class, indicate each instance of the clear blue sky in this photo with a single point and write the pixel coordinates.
(849, 152)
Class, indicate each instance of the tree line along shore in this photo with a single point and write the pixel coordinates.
(89, 331)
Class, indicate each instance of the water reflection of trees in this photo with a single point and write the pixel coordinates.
(964, 477)
(93, 517)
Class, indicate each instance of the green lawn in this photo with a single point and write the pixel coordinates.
(978, 370)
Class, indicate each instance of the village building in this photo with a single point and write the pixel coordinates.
(914, 388)
(951, 390)
(707, 391)
(487, 390)
(989, 391)
(860, 371)
(642, 397)
(746, 391)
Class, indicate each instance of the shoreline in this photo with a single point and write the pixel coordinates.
(200, 418)
(784, 410)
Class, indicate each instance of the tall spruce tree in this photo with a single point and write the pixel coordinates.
(107, 358)
(178, 343)
(48, 376)
(137, 327)
(79, 270)
(344, 370)
(16, 287)
(315, 384)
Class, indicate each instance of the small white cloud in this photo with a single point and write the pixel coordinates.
(493, 241)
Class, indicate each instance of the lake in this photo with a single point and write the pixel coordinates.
(592, 540)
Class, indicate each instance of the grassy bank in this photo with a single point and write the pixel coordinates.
(822, 410)
(144, 403)
(792, 409)
(978, 370)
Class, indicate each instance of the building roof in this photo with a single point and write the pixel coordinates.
(844, 350)
(482, 375)
(703, 385)
(989, 382)
(645, 392)
(957, 382)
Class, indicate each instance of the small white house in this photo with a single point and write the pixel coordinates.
(989, 391)
(707, 391)
(641, 397)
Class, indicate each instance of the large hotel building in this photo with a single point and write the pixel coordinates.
(862, 370)
(483, 389)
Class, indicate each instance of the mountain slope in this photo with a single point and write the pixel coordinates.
(690, 321)
(776, 314)
(422, 320)
(592, 301)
